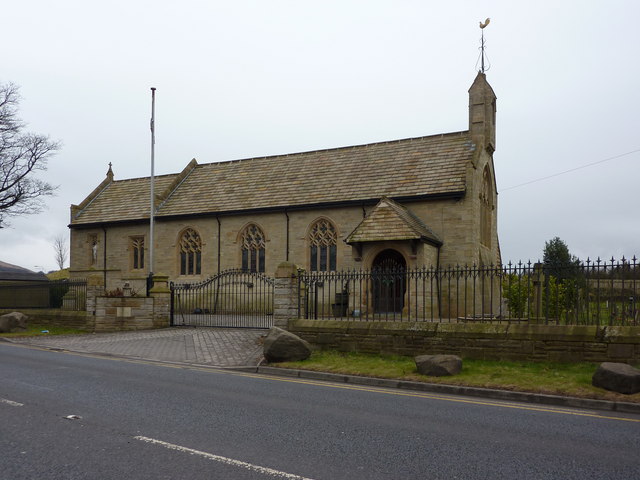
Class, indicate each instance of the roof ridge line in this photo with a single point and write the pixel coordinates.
(401, 213)
(406, 210)
(333, 149)
(165, 195)
(76, 210)
(145, 178)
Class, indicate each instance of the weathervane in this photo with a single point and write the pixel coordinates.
(482, 54)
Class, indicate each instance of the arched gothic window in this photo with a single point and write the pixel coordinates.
(252, 244)
(190, 253)
(323, 241)
(137, 252)
(486, 208)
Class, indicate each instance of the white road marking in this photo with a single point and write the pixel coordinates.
(11, 402)
(229, 461)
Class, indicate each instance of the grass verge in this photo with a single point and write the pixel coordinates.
(42, 331)
(568, 379)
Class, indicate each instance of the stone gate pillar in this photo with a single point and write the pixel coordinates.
(285, 294)
(161, 294)
(95, 288)
(538, 281)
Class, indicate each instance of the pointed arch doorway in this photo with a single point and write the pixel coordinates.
(388, 281)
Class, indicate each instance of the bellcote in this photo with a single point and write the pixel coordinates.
(482, 113)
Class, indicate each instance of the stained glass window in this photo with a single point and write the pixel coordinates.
(137, 253)
(190, 253)
(323, 241)
(253, 248)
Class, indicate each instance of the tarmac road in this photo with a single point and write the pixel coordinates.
(143, 420)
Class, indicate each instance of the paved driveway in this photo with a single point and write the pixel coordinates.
(224, 347)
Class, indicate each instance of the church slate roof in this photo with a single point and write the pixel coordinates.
(414, 167)
(121, 200)
(391, 221)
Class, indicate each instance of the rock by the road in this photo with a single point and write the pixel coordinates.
(13, 322)
(617, 377)
(283, 346)
(438, 365)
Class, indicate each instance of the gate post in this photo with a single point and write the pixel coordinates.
(161, 295)
(95, 288)
(285, 294)
(538, 280)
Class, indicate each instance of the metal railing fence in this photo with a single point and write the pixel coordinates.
(579, 293)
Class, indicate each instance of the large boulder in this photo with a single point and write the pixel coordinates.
(283, 346)
(13, 322)
(438, 365)
(617, 377)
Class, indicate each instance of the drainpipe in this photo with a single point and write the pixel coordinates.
(104, 258)
(438, 282)
(218, 220)
(287, 236)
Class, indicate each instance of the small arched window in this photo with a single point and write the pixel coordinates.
(190, 253)
(253, 247)
(486, 208)
(323, 241)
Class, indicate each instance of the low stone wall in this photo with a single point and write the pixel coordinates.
(56, 317)
(475, 340)
(108, 314)
(126, 313)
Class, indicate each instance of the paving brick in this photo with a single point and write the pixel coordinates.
(204, 346)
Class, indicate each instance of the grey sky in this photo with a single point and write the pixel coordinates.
(253, 78)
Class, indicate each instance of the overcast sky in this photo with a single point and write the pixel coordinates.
(238, 79)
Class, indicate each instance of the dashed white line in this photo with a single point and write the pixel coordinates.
(229, 461)
(11, 402)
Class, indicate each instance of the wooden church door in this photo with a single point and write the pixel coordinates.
(388, 281)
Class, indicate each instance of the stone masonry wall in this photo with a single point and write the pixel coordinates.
(454, 221)
(56, 317)
(135, 313)
(106, 314)
(123, 313)
(474, 340)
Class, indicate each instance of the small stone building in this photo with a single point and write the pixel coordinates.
(414, 202)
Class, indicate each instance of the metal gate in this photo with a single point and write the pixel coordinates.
(233, 298)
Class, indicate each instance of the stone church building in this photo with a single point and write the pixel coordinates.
(415, 202)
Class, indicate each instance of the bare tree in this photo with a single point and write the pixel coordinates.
(21, 156)
(60, 249)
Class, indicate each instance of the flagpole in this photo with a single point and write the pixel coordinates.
(152, 203)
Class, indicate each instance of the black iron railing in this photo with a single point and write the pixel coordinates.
(63, 294)
(580, 293)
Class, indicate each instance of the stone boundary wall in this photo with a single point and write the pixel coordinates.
(56, 317)
(123, 313)
(134, 313)
(108, 314)
(475, 340)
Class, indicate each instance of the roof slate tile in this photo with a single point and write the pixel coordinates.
(403, 168)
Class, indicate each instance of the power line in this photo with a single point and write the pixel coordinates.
(570, 170)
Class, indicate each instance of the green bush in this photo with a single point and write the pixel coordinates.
(518, 292)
